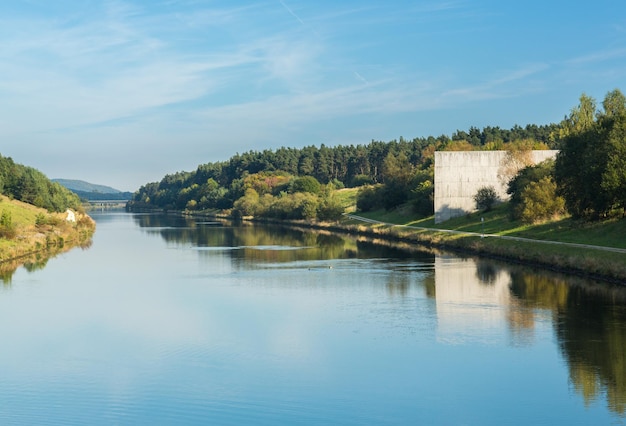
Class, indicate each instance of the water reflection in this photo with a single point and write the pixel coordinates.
(589, 318)
(469, 309)
(474, 299)
(172, 320)
(250, 246)
(35, 261)
(590, 323)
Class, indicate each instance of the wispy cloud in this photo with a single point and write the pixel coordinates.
(498, 86)
(600, 56)
(107, 68)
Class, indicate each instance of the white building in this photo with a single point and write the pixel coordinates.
(460, 174)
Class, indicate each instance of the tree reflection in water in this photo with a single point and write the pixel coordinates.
(35, 261)
(590, 323)
(589, 318)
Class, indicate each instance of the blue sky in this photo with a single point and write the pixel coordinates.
(121, 93)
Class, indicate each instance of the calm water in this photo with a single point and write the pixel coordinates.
(167, 321)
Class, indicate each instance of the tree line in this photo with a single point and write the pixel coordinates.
(29, 185)
(394, 172)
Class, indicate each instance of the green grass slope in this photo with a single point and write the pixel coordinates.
(36, 229)
(582, 260)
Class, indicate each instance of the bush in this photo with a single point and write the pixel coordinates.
(307, 207)
(485, 198)
(330, 210)
(361, 180)
(248, 205)
(522, 180)
(424, 199)
(7, 227)
(293, 206)
(306, 184)
(337, 184)
(369, 198)
(41, 219)
(540, 202)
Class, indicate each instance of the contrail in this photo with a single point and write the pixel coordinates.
(360, 77)
(291, 12)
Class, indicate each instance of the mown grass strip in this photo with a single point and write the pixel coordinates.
(580, 260)
(608, 234)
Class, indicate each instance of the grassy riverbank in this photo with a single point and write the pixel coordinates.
(33, 230)
(589, 261)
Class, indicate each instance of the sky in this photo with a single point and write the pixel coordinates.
(121, 93)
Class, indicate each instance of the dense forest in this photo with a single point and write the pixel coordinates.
(587, 180)
(297, 183)
(29, 185)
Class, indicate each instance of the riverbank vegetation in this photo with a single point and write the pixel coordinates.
(30, 235)
(34, 218)
(578, 197)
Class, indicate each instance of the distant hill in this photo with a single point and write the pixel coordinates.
(81, 185)
(90, 191)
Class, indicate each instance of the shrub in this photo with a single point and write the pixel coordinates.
(307, 208)
(6, 219)
(361, 180)
(247, 205)
(424, 199)
(7, 227)
(522, 180)
(290, 206)
(306, 184)
(485, 198)
(369, 198)
(41, 219)
(540, 202)
(337, 184)
(330, 209)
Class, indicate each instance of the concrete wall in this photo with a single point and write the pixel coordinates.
(460, 174)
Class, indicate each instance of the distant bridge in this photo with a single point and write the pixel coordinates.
(105, 204)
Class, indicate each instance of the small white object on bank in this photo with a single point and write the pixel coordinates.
(71, 216)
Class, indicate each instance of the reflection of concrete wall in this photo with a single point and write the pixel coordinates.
(467, 308)
(459, 175)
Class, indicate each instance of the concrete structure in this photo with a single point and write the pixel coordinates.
(460, 174)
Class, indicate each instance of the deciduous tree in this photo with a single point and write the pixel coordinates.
(590, 169)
